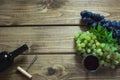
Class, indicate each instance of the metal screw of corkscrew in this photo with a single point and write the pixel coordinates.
(34, 59)
(25, 71)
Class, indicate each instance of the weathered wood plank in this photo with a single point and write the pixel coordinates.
(68, 67)
(40, 39)
(44, 12)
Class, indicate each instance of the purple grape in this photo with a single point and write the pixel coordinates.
(114, 35)
(87, 21)
(102, 17)
(118, 25)
(94, 25)
(114, 23)
(111, 28)
(102, 22)
(105, 25)
(119, 41)
(92, 19)
(89, 14)
(117, 33)
(96, 17)
(84, 13)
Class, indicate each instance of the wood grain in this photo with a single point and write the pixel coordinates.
(68, 67)
(54, 12)
(48, 28)
(40, 39)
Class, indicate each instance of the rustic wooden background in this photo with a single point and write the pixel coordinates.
(48, 28)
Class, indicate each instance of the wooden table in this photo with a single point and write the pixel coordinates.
(48, 28)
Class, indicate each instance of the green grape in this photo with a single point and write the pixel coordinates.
(79, 48)
(76, 36)
(102, 62)
(116, 62)
(81, 37)
(99, 50)
(87, 32)
(108, 56)
(94, 53)
(117, 56)
(107, 64)
(83, 51)
(92, 41)
(94, 37)
(97, 44)
(88, 38)
(101, 53)
(78, 45)
(102, 45)
(78, 41)
(107, 60)
(85, 54)
(88, 50)
(82, 45)
(93, 46)
(89, 44)
(85, 41)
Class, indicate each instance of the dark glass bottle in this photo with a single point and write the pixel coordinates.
(7, 58)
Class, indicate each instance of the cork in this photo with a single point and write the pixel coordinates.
(24, 72)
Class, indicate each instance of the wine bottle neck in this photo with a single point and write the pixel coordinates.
(19, 50)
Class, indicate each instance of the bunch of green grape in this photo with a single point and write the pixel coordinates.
(87, 43)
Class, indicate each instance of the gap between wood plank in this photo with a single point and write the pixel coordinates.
(45, 25)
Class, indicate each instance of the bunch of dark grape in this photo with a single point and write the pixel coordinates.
(92, 19)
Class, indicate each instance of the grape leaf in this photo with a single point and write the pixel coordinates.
(99, 28)
(103, 35)
(114, 48)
